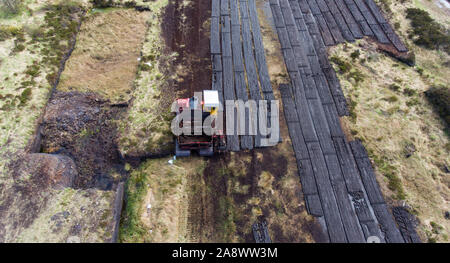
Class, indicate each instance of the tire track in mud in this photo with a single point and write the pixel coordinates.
(189, 37)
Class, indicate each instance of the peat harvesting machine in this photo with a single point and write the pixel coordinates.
(199, 140)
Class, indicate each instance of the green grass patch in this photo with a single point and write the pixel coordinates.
(225, 218)
(390, 172)
(412, 102)
(60, 28)
(136, 188)
(391, 99)
(147, 126)
(8, 32)
(345, 68)
(25, 96)
(352, 109)
(355, 54)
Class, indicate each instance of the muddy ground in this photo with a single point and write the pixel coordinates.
(189, 37)
(82, 126)
(237, 190)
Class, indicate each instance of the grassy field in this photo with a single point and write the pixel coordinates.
(20, 105)
(33, 43)
(156, 209)
(146, 128)
(390, 113)
(65, 220)
(105, 59)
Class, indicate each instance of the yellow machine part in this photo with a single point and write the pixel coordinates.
(213, 110)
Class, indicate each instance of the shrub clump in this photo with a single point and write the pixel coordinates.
(35, 32)
(357, 75)
(386, 4)
(409, 92)
(343, 66)
(25, 96)
(61, 24)
(130, 4)
(352, 109)
(7, 32)
(394, 87)
(439, 97)
(33, 70)
(391, 99)
(102, 3)
(355, 54)
(412, 102)
(427, 32)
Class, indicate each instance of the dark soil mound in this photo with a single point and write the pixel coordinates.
(82, 126)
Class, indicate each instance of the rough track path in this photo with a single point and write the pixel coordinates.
(337, 177)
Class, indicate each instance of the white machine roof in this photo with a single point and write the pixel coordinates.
(211, 98)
